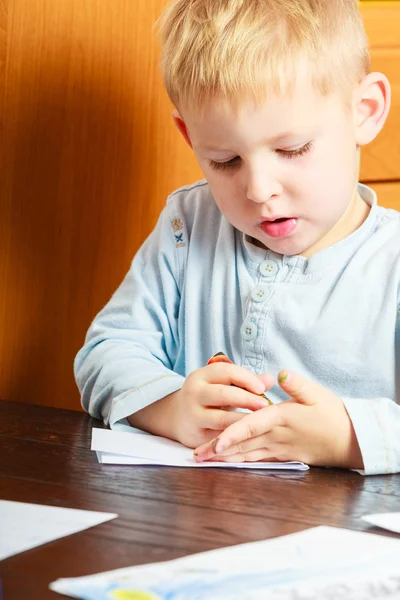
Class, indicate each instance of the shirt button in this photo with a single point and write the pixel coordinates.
(248, 331)
(258, 294)
(269, 268)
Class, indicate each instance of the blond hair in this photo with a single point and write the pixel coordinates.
(244, 49)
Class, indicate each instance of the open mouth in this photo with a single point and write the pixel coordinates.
(281, 227)
(277, 220)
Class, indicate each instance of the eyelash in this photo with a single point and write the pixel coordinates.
(289, 154)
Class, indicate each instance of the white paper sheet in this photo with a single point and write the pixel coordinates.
(323, 563)
(24, 526)
(390, 521)
(120, 447)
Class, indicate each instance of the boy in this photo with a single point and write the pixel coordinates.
(279, 259)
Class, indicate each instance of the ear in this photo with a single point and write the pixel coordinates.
(181, 125)
(372, 107)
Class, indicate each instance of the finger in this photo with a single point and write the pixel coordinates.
(279, 435)
(218, 420)
(249, 426)
(229, 374)
(205, 451)
(303, 390)
(277, 438)
(267, 379)
(260, 455)
(226, 395)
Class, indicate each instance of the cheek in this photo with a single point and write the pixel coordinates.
(332, 169)
(342, 152)
(226, 190)
(306, 185)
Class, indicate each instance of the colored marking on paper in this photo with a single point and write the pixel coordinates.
(132, 595)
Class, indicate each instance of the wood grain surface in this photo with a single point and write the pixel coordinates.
(164, 512)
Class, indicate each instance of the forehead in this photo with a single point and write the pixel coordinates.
(277, 117)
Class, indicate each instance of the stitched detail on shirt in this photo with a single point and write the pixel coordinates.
(140, 387)
(180, 239)
(188, 189)
(379, 421)
(179, 232)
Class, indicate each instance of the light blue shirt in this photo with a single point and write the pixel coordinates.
(198, 286)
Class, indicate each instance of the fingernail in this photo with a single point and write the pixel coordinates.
(283, 377)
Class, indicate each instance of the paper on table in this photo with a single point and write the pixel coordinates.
(24, 526)
(322, 563)
(120, 447)
(107, 458)
(390, 521)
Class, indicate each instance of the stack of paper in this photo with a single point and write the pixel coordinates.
(323, 563)
(126, 448)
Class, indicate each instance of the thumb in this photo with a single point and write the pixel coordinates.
(302, 390)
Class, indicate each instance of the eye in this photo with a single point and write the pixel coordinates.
(298, 152)
(221, 166)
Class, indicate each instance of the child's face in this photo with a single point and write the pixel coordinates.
(294, 159)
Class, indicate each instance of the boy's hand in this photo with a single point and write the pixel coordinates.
(312, 427)
(200, 410)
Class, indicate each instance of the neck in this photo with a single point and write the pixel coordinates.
(351, 220)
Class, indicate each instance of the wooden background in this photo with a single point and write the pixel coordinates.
(88, 156)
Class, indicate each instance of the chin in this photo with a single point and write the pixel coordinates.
(288, 247)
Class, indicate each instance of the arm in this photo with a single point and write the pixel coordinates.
(158, 418)
(376, 422)
(128, 357)
(126, 370)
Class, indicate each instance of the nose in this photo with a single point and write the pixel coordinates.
(262, 186)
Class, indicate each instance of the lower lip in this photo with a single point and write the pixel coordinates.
(279, 229)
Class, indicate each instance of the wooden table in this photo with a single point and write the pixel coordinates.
(164, 512)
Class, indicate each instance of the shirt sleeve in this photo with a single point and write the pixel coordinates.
(376, 422)
(127, 359)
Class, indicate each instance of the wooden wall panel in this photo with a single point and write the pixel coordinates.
(388, 194)
(381, 158)
(381, 20)
(3, 54)
(89, 155)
